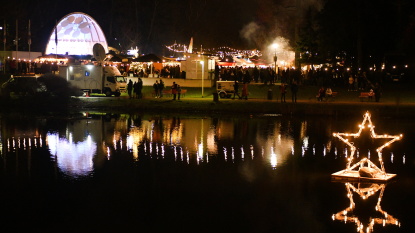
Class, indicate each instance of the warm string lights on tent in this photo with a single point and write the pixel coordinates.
(220, 51)
(366, 125)
(365, 192)
(227, 51)
(178, 48)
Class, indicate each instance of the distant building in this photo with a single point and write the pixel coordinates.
(76, 34)
(196, 66)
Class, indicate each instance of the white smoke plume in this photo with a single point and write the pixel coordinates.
(249, 31)
(279, 28)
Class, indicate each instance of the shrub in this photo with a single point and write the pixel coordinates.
(57, 86)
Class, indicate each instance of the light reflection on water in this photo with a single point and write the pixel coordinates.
(294, 150)
(186, 139)
(363, 221)
(73, 158)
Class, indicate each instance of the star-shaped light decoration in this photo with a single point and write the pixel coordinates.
(371, 167)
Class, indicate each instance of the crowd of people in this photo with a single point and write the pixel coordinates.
(313, 76)
(290, 79)
(134, 90)
(352, 80)
(244, 94)
(168, 71)
(246, 74)
(159, 86)
(23, 67)
(267, 75)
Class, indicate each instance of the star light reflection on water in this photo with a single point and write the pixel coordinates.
(187, 140)
(234, 156)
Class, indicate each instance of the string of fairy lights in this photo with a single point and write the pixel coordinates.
(223, 51)
(367, 123)
(348, 214)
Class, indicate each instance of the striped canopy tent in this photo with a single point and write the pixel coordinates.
(224, 63)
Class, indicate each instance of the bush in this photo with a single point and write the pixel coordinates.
(57, 86)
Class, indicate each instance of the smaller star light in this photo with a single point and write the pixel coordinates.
(367, 124)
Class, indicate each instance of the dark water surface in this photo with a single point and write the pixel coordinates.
(137, 173)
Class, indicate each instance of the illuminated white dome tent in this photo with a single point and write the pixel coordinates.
(76, 34)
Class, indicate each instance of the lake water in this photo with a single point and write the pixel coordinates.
(98, 172)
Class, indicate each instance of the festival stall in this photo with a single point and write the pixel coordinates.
(149, 65)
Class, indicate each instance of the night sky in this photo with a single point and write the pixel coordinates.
(129, 23)
(241, 24)
(150, 24)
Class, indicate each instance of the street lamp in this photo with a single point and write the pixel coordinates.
(203, 69)
(4, 47)
(275, 46)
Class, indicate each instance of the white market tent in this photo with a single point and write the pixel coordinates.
(76, 34)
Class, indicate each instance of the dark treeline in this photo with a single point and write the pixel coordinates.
(362, 31)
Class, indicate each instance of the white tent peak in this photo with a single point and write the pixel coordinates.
(75, 34)
(190, 49)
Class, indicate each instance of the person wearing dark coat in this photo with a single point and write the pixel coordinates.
(294, 90)
(156, 89)
(161, 88)
(378, 92)
(130, 88)
(174, 90)
(139, 89)
(236, 90)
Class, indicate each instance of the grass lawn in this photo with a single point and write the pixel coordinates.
(392, 93)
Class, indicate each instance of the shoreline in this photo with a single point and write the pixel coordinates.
(397, 103)
(241, 107)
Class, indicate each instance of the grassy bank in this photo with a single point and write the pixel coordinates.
(396, 101)
(392, 92)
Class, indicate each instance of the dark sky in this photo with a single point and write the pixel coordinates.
(148, 24)
(241, 24)
(151, 24)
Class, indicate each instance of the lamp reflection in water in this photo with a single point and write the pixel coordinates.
(273, 159)
(73, 158)
(365, 191)
(200, 146)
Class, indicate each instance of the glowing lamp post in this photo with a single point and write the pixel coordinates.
(4, 46)
(203, 69)
(275, 46)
